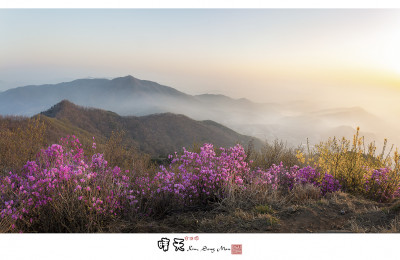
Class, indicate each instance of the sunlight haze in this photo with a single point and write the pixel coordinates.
(329, 57)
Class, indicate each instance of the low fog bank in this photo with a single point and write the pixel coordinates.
(295, 124)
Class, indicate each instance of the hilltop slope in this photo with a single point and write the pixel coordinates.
(157, 134)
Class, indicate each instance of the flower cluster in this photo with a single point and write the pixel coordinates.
(62, 178)
(198, 177)
(279, 176)
(382, 184)
(62, 182)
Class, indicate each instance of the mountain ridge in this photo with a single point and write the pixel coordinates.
(157, 134)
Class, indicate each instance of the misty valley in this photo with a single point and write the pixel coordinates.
(293, 122)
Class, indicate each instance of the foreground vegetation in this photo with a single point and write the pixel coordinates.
(105, 186)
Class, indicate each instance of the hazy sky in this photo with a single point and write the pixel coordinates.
(338, 56)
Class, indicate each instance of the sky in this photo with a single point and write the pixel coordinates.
(338, 57)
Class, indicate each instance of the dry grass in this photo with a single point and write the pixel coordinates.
(303, 194)
(275, 153)
(20, 140)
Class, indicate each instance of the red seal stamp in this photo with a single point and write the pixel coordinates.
(236, 249)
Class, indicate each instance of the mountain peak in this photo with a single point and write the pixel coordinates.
(128, 83)
(64, 105)
(126, 79)
(65, 102)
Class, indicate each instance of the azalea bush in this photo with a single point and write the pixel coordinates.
(196, 179)
(381, 184)
(62, 191)
(65, 191)
(278, 176)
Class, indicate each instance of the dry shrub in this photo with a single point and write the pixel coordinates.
(264, 198)
(252, 196)
(353, 163)
(20, 140)
(274, 153)
(122, 152)
(304, 193)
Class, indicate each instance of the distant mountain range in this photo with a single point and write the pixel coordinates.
(156, 134)
(129, 96)
(125, 95)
